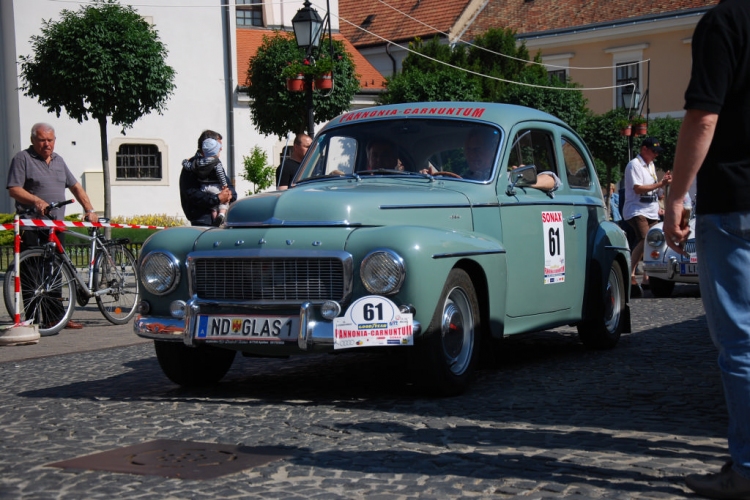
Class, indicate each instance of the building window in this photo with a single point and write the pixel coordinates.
(138, 162)
(626, 76)
(560, 75)
(249, 12)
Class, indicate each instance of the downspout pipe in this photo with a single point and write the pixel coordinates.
(229, 89)
(393, 59)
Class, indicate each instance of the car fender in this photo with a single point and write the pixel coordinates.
(429, 254)
(178, 241)
(610, 244)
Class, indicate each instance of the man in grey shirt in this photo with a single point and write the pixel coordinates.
(37, 177)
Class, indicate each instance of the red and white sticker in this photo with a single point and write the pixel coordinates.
(554, 247)
(373, 321)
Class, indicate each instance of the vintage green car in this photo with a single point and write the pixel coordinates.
(434, 228)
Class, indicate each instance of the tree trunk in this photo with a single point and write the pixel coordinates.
(105, 172)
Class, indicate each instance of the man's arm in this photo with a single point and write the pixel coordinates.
(25, 198)
(547, 181)
(80, 194)
(695, 137)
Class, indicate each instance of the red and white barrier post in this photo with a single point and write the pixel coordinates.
(18, 333)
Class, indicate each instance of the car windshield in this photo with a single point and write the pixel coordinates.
(454, 149)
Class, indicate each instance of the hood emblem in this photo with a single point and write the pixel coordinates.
(262, 241)
(239, 242)
(316, 243)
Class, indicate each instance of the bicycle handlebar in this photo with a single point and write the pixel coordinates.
(51, 206)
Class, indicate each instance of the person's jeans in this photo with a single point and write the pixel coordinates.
(723, 248)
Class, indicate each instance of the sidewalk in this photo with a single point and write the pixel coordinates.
(97, 334)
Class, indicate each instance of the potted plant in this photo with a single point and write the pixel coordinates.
(639, 125)
(295, 72)
(624, 126)
(323, 72)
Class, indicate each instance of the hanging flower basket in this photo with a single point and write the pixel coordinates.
(626, 131)
(324, 81)
(640, 129)
(296, 84)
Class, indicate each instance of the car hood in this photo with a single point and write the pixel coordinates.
(343, 203)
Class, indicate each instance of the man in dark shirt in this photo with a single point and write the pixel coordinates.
(288, 169)
(196, 203)
(713, 145)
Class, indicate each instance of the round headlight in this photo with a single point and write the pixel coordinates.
(655, 238)
(382, 272)
(160, 272)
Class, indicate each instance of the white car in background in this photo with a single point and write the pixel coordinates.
(664, 266)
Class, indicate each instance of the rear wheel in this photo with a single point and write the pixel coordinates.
(118, 274)
(604, 324)
(193, 366)
(48, 291)
(448, 352)
(661, 288)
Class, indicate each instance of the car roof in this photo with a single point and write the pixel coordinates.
(505, 115)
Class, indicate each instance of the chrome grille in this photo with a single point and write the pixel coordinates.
(269, 279)
(690, 246)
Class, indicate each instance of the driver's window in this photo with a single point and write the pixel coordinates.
(533, 147)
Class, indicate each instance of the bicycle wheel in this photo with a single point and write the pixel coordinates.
(116, 271)
(48, 291)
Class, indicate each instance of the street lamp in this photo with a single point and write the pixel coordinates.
(631, 99)
(308, 27)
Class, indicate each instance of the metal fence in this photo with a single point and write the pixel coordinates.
(79, 254)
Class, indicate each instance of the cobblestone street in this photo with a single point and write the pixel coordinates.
(553, 420)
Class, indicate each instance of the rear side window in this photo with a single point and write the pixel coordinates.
(575, 166)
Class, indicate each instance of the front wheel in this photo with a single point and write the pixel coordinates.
(448, 352)
(48, 291)
(604, 323)
(193, 366)
(118, 274)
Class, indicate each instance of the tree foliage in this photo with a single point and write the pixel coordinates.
(258, 171)
(276, 111)
(105, 61)
(666, 129)
(602, 135)
(484, 71)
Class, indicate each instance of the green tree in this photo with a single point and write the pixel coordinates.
(276, 111)
(258, 171)
(666, 129)
(485, 72)
(105, 61)
(602, 135)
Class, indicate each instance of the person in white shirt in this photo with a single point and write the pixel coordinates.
(642, 192)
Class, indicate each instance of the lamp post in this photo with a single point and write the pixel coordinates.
(630, 102)
(308, 28)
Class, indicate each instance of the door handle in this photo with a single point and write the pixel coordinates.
(572, 218)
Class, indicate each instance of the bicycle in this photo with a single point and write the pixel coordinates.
(51, 284)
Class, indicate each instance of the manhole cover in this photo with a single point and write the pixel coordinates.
(183, 459)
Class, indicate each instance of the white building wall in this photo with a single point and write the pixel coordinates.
(193, 37)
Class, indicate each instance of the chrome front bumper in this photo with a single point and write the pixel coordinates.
(314, 331)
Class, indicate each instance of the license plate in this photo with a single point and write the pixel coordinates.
(688, 269)
(253, 329)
